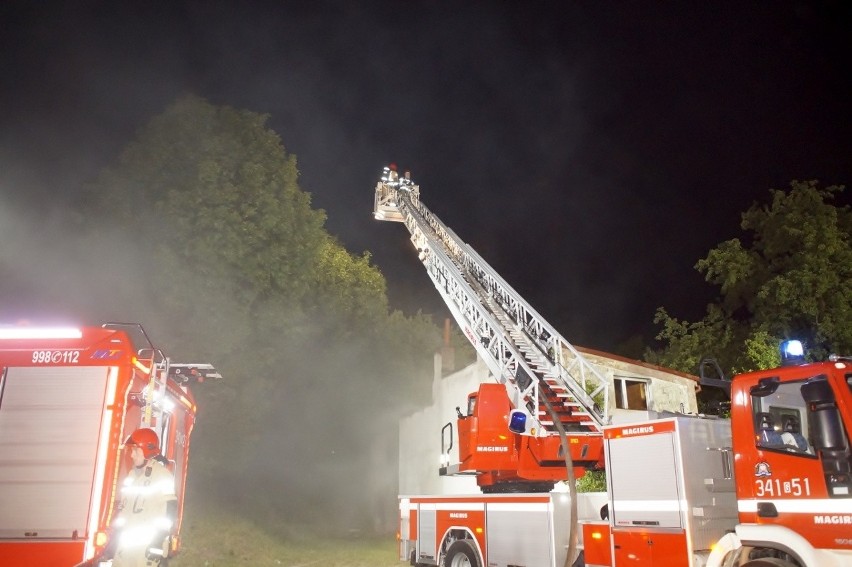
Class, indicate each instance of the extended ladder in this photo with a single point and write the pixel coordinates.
(520, 348)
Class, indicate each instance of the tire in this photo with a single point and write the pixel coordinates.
(462, 553)
(768, 562)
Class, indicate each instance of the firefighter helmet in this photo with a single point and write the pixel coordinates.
(147, 440)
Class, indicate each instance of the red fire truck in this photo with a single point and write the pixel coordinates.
(771, 487)
(68, 399)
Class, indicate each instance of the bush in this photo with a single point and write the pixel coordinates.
(592, 481)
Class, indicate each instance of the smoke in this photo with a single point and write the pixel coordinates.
(295, 425)
(590, 155)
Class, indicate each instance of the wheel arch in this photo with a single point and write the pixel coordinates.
(784, 540)
(455, 533)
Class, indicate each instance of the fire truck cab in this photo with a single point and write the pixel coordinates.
(771, 487)
(793, 465)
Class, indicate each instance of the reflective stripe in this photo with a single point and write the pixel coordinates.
(142, 535)
(518, 507)
(648, 505)
(804, 506)
(470, 506)
(137, 537)
(163, 487)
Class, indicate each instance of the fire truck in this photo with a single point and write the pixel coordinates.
(769, 487)
(68, 399)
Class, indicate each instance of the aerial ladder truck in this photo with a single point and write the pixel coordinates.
(69, 397)
(774, 490)
(546, 384)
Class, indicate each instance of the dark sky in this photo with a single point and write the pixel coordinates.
(592, 152)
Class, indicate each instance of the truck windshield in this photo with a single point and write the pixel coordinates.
(780, 420)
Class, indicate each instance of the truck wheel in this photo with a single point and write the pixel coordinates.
(768, 562)
(462, 554)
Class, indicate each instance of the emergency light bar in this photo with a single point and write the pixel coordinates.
(792, 352)
(40, 333)
(518, 422)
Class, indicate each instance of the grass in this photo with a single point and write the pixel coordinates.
(215, 538)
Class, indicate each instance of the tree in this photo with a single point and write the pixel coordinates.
(788, 278)
(237, 268)
(212, 192)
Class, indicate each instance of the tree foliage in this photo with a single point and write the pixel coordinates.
(789, 277)
(241, 272)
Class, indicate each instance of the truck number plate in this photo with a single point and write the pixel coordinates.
(766, 487)
(56, 356)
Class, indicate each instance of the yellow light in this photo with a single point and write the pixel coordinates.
(138, 364)
(597, 535)
(478, 530)
(101, 539)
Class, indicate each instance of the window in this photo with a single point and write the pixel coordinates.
(631, 393)
(780, 420)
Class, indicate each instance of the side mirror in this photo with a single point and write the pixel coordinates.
(145, 353)
(765, 387)
(710, 374)
(824, 414)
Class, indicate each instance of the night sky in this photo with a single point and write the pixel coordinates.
(592, 152)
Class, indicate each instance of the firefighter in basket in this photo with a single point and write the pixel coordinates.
(142, 530)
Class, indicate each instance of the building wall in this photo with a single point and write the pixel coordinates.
(668, 390)
(420, 433)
